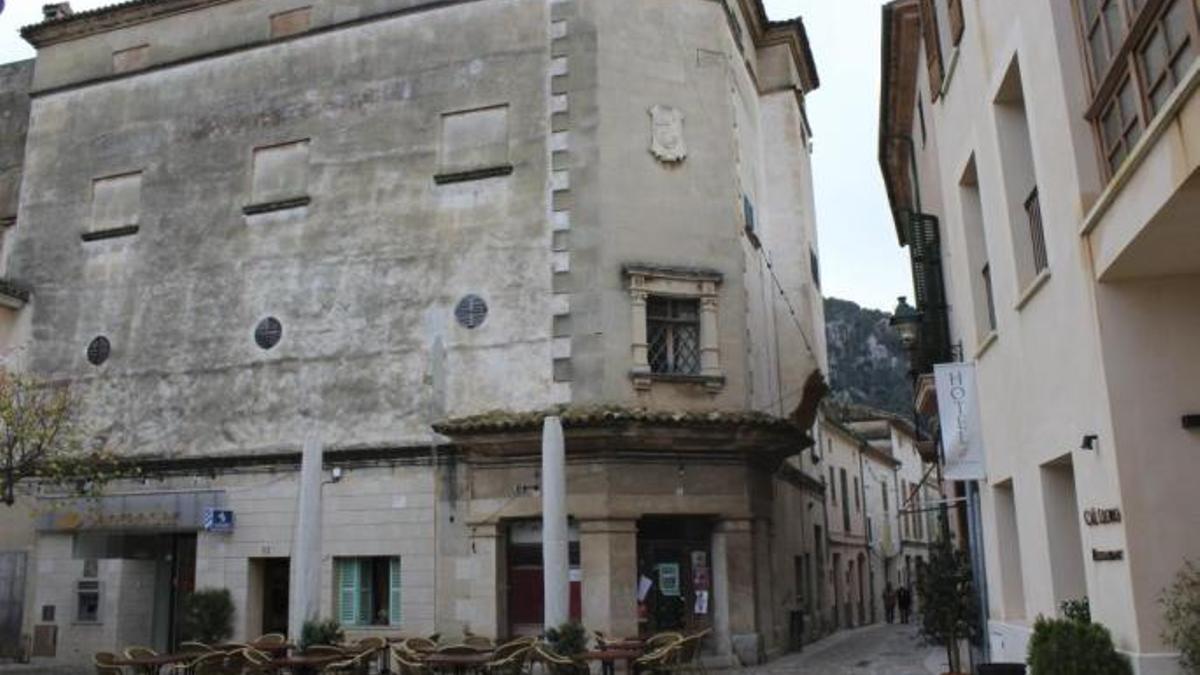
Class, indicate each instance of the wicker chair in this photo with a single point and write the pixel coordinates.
(271, 639)
(660, 640)
(479, 643)
(420, 645)
(463, 650)
(512, 663)
(139, 653)
(407, 666)
(104, 664)
(212, 663)
(555, 664)
(194, 648)
(688, 658)
(660, 660)
(257, 661)
(512, 647)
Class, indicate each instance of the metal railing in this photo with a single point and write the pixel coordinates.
(1037, 236)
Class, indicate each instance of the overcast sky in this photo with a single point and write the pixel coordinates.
(860, 259)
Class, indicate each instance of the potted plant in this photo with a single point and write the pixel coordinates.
(1181, 605)
(947, 602)
(207, 616)
(318, 632)
(569, 639)
(1074, 647)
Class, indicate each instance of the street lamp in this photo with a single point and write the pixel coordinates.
(907, 322)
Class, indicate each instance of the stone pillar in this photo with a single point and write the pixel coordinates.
(733, 590)
(710, 361)
(304, 603)
(555, 560)
(764, 590)
(608, 561)
(641, 343)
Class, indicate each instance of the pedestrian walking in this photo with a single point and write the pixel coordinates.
(904, 601)
(889, 602)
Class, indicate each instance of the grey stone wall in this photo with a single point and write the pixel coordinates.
(364, 278)
(15, 81)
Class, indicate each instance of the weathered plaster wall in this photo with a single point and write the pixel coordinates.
(364, 279)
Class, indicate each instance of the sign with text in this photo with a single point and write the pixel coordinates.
(958, 414)
(218, 520)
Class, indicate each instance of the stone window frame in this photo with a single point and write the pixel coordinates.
(645, 280)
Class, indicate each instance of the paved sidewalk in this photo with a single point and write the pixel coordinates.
(875, 650)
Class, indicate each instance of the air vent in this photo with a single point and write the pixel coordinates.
(98, 351)
(471, 311)
(268, 332)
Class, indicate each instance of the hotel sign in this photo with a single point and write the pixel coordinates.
(958, 414)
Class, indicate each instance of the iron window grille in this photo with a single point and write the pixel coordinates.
(673, 331)
(88, 601)
(1037, 235)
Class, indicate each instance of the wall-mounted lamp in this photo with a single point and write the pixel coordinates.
(335, 475)
(1191, 421)
(1089, 442)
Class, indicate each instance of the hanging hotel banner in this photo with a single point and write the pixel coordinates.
(958, 414)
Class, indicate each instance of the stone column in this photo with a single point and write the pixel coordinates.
(733, 590)
(555, 560)
(608, 561)
(304, 603)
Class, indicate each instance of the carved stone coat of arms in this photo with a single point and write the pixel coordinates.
(666, 134)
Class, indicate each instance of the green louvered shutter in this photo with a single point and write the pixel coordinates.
(394, 592)
(347, 591)
(366, 584)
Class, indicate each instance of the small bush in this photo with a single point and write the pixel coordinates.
(1181, 612)
(1069, 647)
(207, 616)
(568, 639)
(1077, 610)
(327, 632)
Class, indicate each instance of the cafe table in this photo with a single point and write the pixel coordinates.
(301, 664)
(609, 656)
(459, 663)
(151, 665)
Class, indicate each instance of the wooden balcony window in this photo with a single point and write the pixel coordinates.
(1137, 52)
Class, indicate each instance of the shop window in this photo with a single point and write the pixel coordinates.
(368, 591)
(87, 595)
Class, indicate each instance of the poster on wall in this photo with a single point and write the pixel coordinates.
(701, 602)
(668, 579)
(644, 584)
(958, 414)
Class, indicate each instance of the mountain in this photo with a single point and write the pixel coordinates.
(866, 362)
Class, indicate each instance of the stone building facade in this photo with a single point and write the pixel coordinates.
(403, 231)
(1041, 158)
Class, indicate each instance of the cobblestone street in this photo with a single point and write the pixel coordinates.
(876, 650)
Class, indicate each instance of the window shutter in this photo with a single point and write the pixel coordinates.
(347, 591)
(394, 592)
(933, 46)
(366, 582)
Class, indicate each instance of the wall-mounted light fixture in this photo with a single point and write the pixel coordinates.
(1089, 442)
(1191, 421)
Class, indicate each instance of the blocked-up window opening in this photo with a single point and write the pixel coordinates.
(116, 202)
(474, 140)
(291, 22)
(280, 172)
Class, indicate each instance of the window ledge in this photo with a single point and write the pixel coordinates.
(643, 380)
(279, 205)
(1031, 290)
(110, 233)
(986, 343)
(473, 174)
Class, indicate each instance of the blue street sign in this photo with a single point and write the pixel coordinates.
(218, 520)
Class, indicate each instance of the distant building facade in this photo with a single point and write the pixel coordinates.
(1040, 162)
(403, 230)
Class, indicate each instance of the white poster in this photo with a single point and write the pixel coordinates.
(958, 413)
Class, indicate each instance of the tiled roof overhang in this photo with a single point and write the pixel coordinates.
(900, 58)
